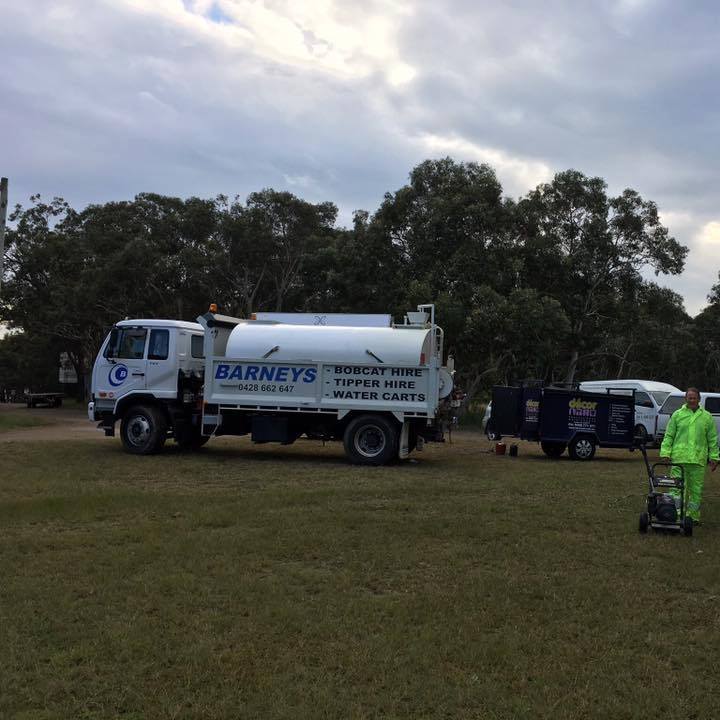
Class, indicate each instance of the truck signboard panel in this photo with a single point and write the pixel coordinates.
(335, 385)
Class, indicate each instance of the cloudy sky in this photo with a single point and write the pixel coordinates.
(338, 100)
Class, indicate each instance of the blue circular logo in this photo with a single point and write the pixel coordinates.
(117, 376)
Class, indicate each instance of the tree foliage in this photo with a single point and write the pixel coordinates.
(547, 286)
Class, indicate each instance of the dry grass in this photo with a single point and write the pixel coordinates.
(268, 582)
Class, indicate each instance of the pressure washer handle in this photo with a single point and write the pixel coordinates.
(643, 450)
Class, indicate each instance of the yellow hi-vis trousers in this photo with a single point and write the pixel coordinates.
(694, 481)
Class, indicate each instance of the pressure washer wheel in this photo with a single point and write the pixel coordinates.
(688, 526)
(644, 522)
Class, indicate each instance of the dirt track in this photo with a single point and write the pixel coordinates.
(63, 424)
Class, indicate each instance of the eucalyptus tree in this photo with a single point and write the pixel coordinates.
(580, 246)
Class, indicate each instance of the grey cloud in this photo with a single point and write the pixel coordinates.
(112, 102)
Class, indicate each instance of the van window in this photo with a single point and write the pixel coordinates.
(671, 405)
(712, 405)
(643, 400)
(159, 343)
(660, 396)
(196, 346)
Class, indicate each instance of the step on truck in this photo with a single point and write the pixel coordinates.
(379, 390)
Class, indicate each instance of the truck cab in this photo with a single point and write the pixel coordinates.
(146, 364)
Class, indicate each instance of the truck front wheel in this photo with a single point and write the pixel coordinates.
(143, 430)
(371, 440)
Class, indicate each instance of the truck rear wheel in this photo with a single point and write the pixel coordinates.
(143, 430)
(371, 440)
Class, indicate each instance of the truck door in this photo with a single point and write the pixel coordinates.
(161, 374)
(122, 366)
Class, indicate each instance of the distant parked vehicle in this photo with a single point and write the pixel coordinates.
(50, 399)
(709, 401)
(649, 396)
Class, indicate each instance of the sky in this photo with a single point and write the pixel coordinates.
(338, 100)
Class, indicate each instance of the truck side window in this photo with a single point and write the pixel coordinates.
(643, 400)
(196, 346)
(712, 405)
(159, 344)
(132, 344)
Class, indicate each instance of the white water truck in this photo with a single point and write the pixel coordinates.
(378, 389)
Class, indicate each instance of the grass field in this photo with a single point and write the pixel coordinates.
(265, 582)
(16, 420)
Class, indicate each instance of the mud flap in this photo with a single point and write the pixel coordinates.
(404, 446)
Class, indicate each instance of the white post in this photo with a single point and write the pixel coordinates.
(3, 216)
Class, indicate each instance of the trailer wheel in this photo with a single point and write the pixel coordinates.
(582, 447)
(143, 430)
(553, 449)
(688, 526)
(371, 440)
(644, 522)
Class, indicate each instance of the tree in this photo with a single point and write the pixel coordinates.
(451, 227)
(579, 246)
(510, 338)
(291, 229)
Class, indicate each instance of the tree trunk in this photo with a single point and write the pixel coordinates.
(572, 367)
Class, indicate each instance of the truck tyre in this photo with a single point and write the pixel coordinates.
(143, 430)
(582, 447)
(553, 449)
(371, 440)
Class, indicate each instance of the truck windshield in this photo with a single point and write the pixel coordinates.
(126, 343)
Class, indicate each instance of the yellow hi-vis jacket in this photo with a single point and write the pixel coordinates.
(690, 437)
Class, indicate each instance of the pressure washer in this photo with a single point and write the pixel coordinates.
(665, 511)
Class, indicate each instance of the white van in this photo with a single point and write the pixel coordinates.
(709, 401)
(649, 397)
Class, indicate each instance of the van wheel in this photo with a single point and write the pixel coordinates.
(641, 434)
(491, 433)
(581, 447)
(143, 430)
(371, 440)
